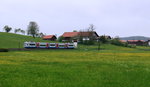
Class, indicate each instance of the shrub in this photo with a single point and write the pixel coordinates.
(131, 46)
(103, 39)
(3, 50)
(88, 42)
(60, 39)
(117, 42)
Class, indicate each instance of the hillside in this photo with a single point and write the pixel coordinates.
(11, 40)
(135, 38)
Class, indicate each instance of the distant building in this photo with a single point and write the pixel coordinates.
(147, 43)
(136, 42)
(123, 41)
(49, 37)
(68, 36)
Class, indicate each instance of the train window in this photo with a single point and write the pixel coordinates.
(71, 45)
(42, 45)
(61, 45)
(32, 44)
(52, 44)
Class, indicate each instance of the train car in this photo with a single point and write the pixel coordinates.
(52, 45)
(49, 45)
(30, 45)
(62, 45)
(70, 45)
(43, 45)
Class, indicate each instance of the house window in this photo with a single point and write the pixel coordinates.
(86, 38)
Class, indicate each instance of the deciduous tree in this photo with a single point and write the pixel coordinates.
(7, 28)
(33, 29)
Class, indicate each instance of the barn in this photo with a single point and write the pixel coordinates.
(49, 37)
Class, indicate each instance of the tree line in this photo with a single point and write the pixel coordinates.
(32, 30)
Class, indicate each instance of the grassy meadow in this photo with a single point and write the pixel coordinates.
(74, 68)
(112, 66)
(11, 40)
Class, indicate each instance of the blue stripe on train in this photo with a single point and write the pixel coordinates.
(30, 47)
(71, 47)
(52, 47)
(42, 47)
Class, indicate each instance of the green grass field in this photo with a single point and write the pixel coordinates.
(112, 66)
(10, 40)
(73, 68)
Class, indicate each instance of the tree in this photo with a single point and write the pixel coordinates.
(116, 41)
(99, 43)
(41, 34)
(33, 29)
(83, 34)
(19, 30)
(7, 28)
(22, 31)
(60, 38)
(16, 30)
(91, 32)
(75, 31)
(91, 28)
(104, 39)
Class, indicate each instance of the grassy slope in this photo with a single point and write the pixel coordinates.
(10, 40)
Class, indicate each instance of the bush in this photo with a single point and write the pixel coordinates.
(103, 39)
(131, 46)
(60, 39)
(88, 42)
(3, 50)
(117, 42)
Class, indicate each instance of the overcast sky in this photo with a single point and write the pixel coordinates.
(110, 17)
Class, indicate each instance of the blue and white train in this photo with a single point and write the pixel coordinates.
(49, 45)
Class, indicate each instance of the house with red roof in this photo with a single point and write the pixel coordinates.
(49, 37)
(68, 36)
(136, 42)
(123, 41)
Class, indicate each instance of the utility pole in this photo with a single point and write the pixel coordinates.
(19, 45)
(99, 43)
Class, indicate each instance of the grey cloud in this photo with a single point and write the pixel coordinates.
(111, 17)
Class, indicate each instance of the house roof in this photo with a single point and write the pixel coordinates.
(86, 34)
(73, 34)
(123, 41)
(70, 34)
(48, 36)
